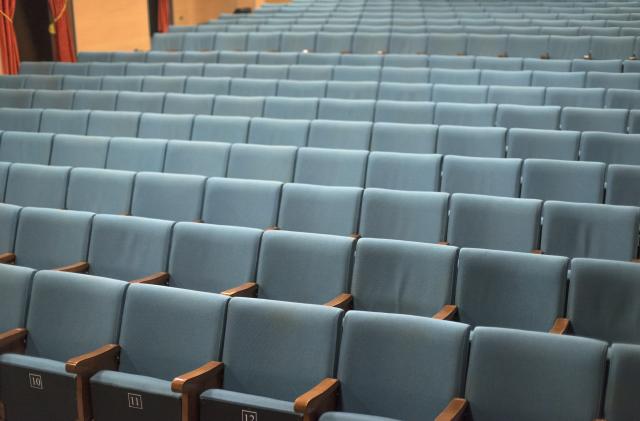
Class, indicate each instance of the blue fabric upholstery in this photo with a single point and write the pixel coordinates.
(79, 151)
(261, 334)
(527, 375)
(330, 167)
(101, 191)
(212, 258)
(28, 148)
(403, 215)
(37, 185)
(340, 134)
(222, 129)
(303, 267)
(393, 276)
(590, 230)
(507, 289)
(563, 180)
(16, 287)
(176, 197)
(544, 144)
(499, 223)
(128, 247)
(393, 343)
(624, 368)
(246, 203)
(262, 162)
(51, 238)
(487, 176)
(597, 290)
(202, 158)
(132, 154)
(320, 209)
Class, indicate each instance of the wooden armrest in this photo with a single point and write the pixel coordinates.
(13, 340)
(635, 261)
(632, 57)
(545, 56)
(322, 398)
(561, 326)
(356, 236)
(199, 221)
(78, 267)
(248, 289)
(343, 301)
(208, 376)
(7, 258)
(381, 52)
(160, 278)
(273, 228)
(537, 251)
(345, 52)
(442, 243)
(587, 56)
(502, 55)
(103, 358)
(453, 411)
(447, 312)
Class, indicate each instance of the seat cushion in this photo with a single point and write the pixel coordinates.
(348, 416)
(35, 364)
(133, 381)
(124, 396)
(244, 400)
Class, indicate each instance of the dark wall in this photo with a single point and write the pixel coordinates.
(32, 30)
(153, 16)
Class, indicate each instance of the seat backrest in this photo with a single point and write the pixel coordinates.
(43, 98)
(144, 102)
(596, 291)
(481, 115)
(128, 247)
(507, 289)
(20, 120)
(292, 346)
(65, 121)
(610, 148)
(28, 148)
(340, 134)
(623, 182)
(132, 154)
(52, 238)
(499, 223)
(521, 375)
(472, 141)
(212, 258)
(8, 224)
(71, 314)
(221, 129)
(262, 162)
(577, 230)
(331, 167)
(392, 276)
(15, 287)
(320, 209)
(153, 341)
(624, 369)
(303, 267)
(519, 95)
(528, 117)
(543, 144)
(400, 171)
(176, 197)
(100, 191)
(79, 151)
(590, 119)
(165, 126)
(238, 106)
(112, 123)
(394, 344)
(569, 181)
(404, 215)
(37, 185)
(202, 158)
(346, 109)
(269, 131)
(487, 176)
(246, 203)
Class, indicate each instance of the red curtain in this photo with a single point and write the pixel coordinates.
(60, 30)
(163, 15)
(8, 43)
